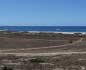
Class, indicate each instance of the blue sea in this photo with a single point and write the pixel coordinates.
(45, 28)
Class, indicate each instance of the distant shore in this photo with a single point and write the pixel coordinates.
(54, 32)
(42, 32)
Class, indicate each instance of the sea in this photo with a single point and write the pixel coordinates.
(44, 28)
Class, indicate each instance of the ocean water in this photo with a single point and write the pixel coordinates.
(45, 28)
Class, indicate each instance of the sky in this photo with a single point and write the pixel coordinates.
(42, 12)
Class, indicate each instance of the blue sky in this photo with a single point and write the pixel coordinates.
(43, 12)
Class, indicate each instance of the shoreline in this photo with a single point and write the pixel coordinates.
(65, 32)
(54, 32)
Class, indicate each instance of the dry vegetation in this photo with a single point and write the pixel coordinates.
(58, 62)
(11, 40)
(19, 40)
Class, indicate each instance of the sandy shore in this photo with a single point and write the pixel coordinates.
(56, 32)
(48, 32)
